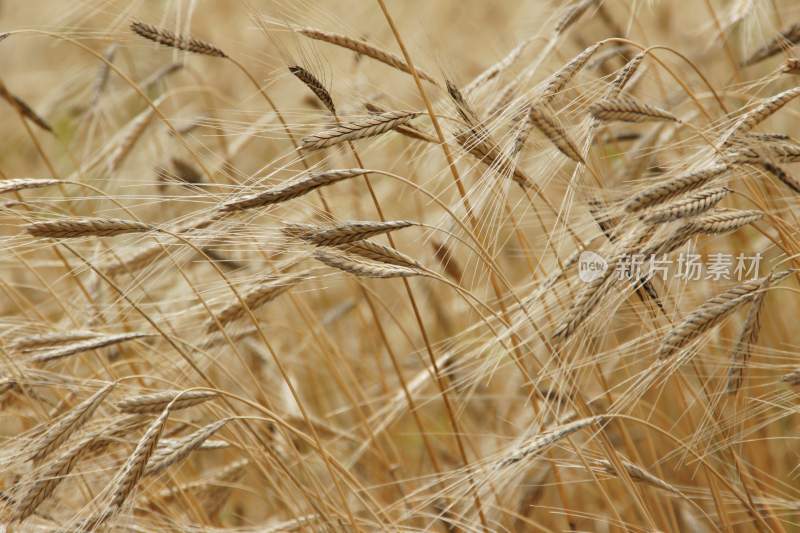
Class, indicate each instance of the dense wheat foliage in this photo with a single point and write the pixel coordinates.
(399, 265)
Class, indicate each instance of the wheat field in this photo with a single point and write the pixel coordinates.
(384, 265)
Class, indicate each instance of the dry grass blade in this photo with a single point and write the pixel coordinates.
(23, 108)
(364, 48)
(627, 109)
(172, 453)
(560, 78)
(90, 344)
(48, 478)
(363, 269)
(693, 204)
(547, 124)
(540, 443)
(156, 402)
(258, 295)
(69, 228)
(380, 253)
(674, 187)
(60, 430)
(21, 184)
(343, 233)
(292, 189)
(713, 312)
(748, 336)
(786, 39)
(369, 126)
(316, 86)
(167, 38)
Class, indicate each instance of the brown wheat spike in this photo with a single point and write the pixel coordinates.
(369, 126)
(258, 295)
(406, 129)
(344, 232)
(723, 221)
(69, 228)
(782, 175)
(60, 430)
(560, 78)
(792, 66)
(540, 443)
(47, 478)
(380, 253)
(124, 483)
(316, 86)
(712, 312)
(89, 344)
(292, 189)
(185, 171)
(156, 402)
(747, 337)
(167, 38)
(175, 452)
(21, 184)
(364, 48)
(624, 76)
(640, 475)
(445, 258)
(674, 187)
(490, 155)
(463, 108)
(693, 204)
(546, 123)
(786, 39)
(23, 108)
(627, 109)
(792, 378)
(759, 114)
(363, 269)
(571, 15)
(32, 342)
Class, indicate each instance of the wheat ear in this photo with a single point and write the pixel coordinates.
(723, 221)
(749, 334)
(363, 269)
(627, 109)
(69, 228)
(759, 114)
(167, 38)
(712, 312)
(24, 109)
(156, 402)
(369, 126)
(89, 344)
(21, 184)
(343, 233)
(560, 78)
(379, 253)
(61, 429)
(674, 187)
(785, 39)
(172, 453)
(316, 86)
(538, 444)
(571, 15)
(364, 48)
(547, 124)
(691, 205)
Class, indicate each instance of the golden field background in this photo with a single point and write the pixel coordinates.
(441, 396)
